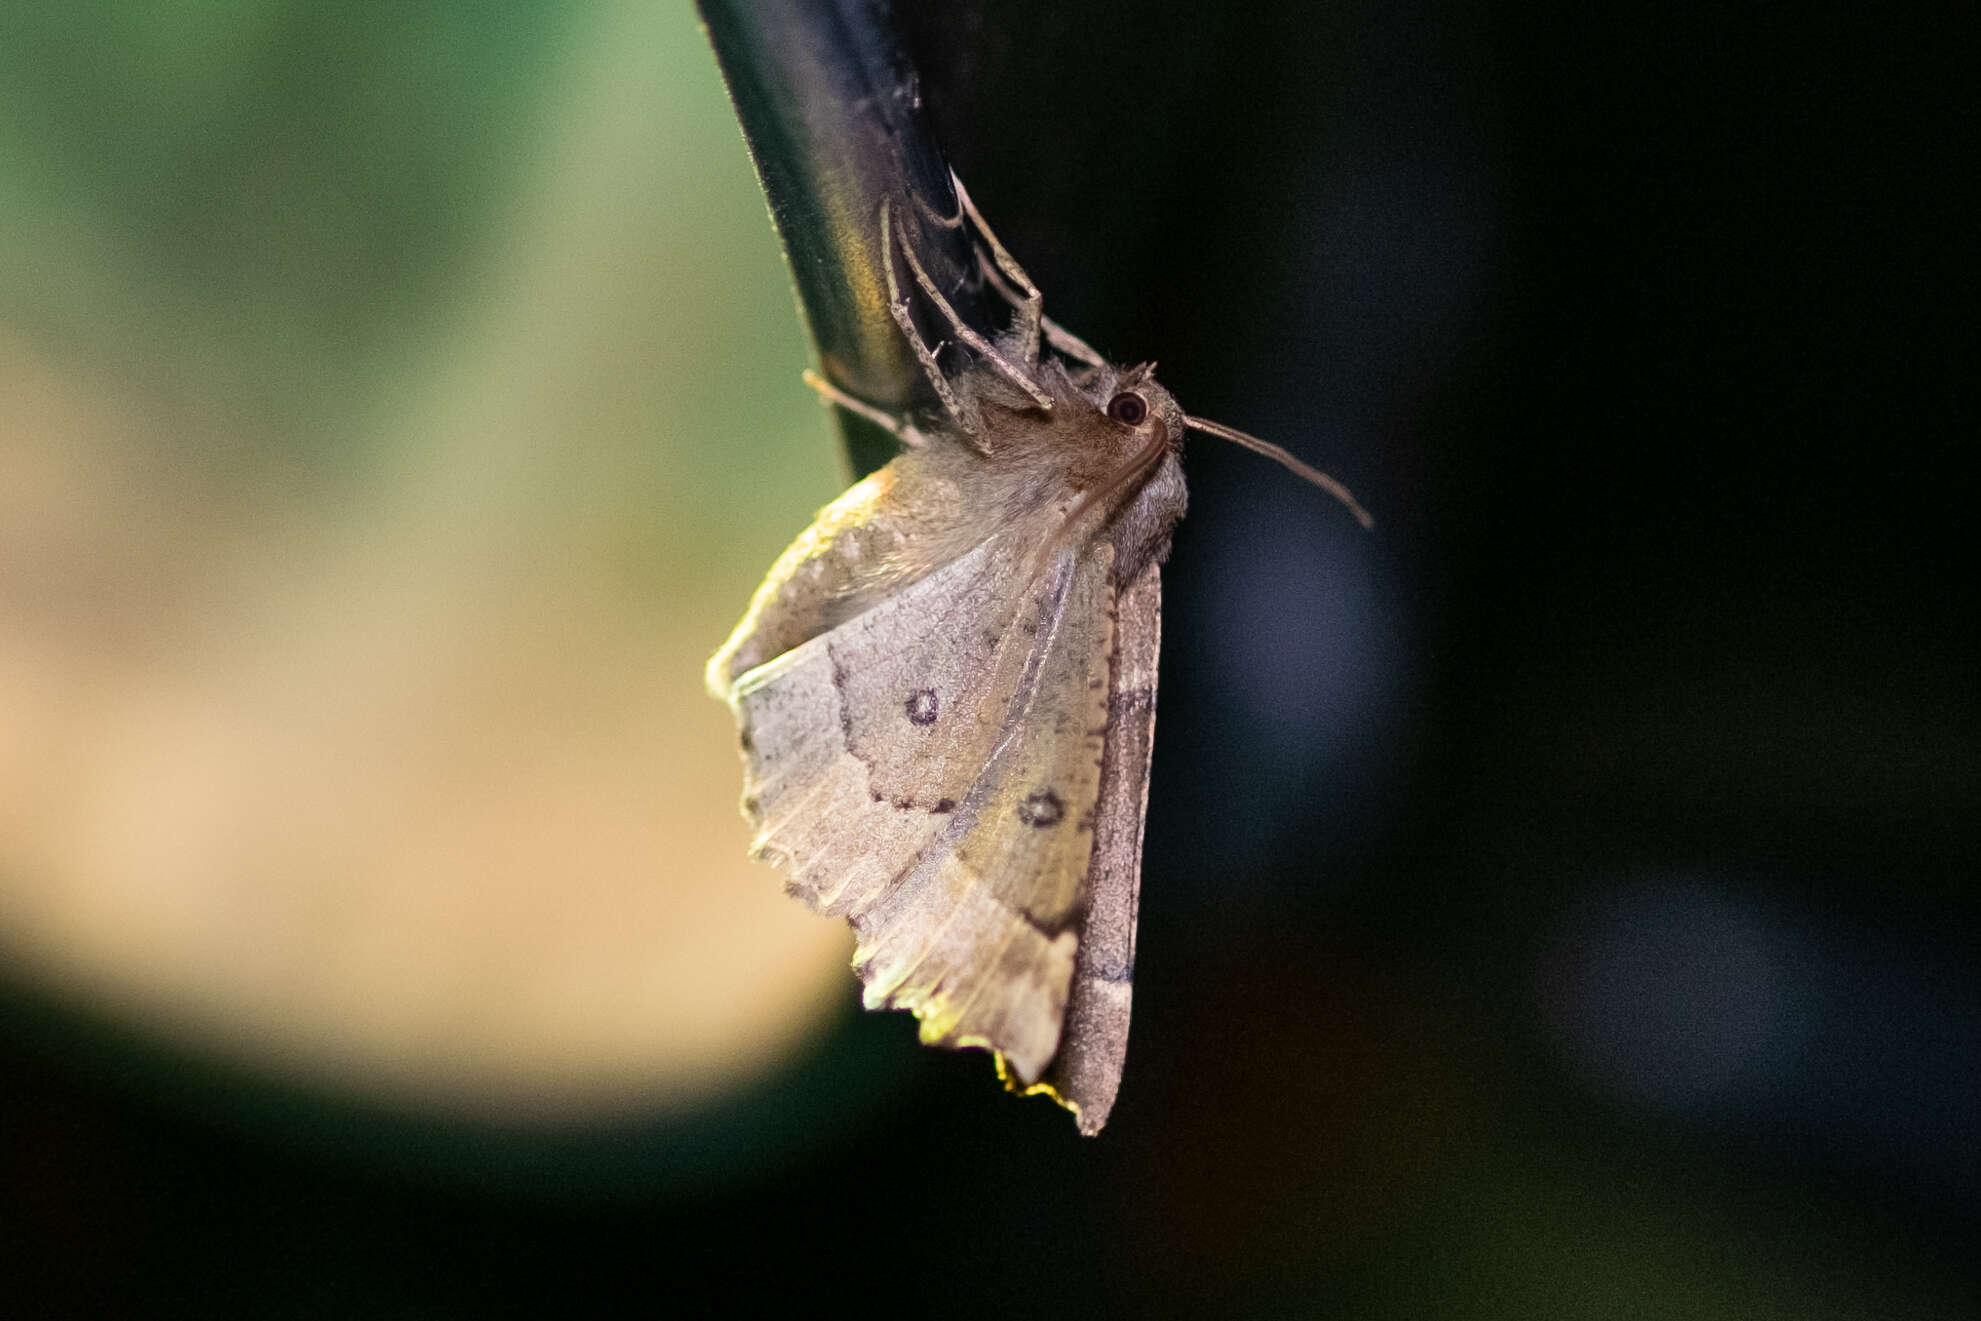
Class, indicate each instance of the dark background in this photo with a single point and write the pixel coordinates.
(1560, 903)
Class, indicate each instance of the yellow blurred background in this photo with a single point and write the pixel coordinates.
(396, 407)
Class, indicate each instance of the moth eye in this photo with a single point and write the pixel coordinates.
(1128, 408)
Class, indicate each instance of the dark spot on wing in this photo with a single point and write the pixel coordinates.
(751, 805)
(1042, 809)
(903, 804)
(839, 676)
(943, 805)
(1045, 928)
(749, 744)
(922, 706)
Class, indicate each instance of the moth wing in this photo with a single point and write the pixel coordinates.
(845, 562)
(861, 743)
(930, 769)
(981, 938)
(1094, 1043)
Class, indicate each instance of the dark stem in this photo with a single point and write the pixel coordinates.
(832, 113)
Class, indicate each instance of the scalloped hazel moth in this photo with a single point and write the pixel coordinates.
(946, 686)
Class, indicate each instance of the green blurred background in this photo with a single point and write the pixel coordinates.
(1559, 905)
(399, 403)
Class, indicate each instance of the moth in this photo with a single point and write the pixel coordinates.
(946, 686)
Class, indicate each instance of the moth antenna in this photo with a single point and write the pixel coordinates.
(1280, 456)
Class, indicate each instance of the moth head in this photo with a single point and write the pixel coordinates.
(1133, 402)
(1135, 406)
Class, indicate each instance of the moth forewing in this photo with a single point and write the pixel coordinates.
(995, 972)
(1093, 1044)
(946, 696)
(930, 770)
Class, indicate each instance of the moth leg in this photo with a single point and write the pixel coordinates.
(928, 212)
(1056, 335)
(898, 427)
(1021, 292)
(966, 415)
(1017, 375)
(1069, 343)
(1010, 280)
(1059, 337)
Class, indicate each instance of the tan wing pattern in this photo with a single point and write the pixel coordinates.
(860, 743)
(1094, 1042)
(891, 758)
(882, 534)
